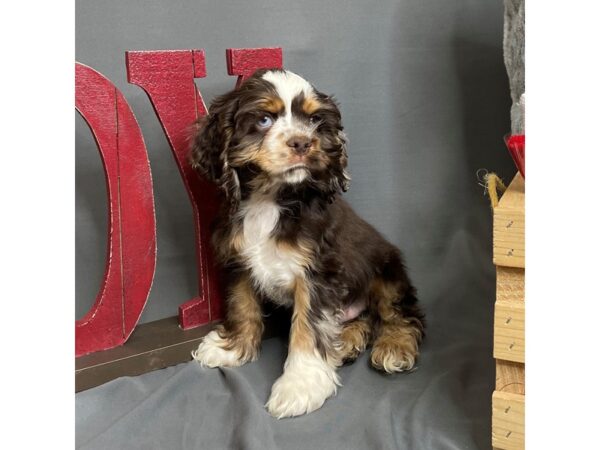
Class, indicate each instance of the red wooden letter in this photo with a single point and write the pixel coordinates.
(168, 79)
(131, 254)
(243, 62)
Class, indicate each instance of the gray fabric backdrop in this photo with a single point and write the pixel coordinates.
(425, 101)
(424, 97)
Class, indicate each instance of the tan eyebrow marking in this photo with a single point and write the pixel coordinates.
(310, 105)
(273, 105)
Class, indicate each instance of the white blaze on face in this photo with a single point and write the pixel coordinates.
(288, 86)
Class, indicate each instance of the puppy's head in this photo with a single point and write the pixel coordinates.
(276, 130)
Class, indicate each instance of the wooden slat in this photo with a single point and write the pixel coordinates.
(509, 226)
(508, 421)
(509, 238)
(510, 377)
(510, 284)
(509, 331)
(152, 346)
(156, 345)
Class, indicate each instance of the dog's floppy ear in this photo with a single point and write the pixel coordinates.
(336, 141)
(343, 178)
(210, 150)
(340, 179)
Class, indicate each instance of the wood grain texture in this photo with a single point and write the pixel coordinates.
(131, 252)
(510, 284)
(509, 226)
(508, 421)
(509, 331)
(510, 377)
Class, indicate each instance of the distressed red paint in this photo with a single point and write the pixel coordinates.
(131, 253)
(243, 62)
(168, 79)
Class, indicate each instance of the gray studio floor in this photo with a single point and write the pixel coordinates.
(443, 404)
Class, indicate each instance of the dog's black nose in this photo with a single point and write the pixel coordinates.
(300, 144)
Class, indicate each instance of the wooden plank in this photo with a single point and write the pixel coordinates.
(510, 284)
(509, 331)
(508, 421)
(509, 238)
(156, 345)
(509, 226)
(152, 346)
(510, 377)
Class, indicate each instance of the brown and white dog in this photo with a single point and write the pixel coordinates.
(276, 148)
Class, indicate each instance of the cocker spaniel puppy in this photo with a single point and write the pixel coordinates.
(276, 148)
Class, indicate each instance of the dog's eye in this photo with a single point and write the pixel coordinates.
(315, 118)
(265, 121)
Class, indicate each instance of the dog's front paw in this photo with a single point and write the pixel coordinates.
(215, 351)
(304, 386)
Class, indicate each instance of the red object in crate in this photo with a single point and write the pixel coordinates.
(516, 147)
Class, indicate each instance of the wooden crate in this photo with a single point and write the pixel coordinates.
(508, 400)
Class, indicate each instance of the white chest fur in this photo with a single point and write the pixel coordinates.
(272, 267)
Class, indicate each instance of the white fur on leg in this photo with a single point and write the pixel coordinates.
(210, 352)
(306, 383)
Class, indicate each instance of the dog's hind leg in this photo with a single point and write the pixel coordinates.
(355, 337)
(399, 325)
